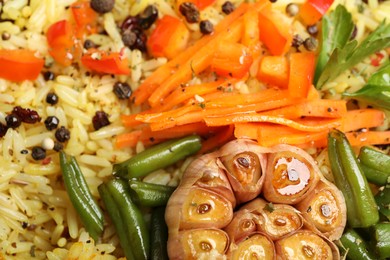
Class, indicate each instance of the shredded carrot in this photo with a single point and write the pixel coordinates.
(224, 135)
(362, 118)
(303, 125)
(251, 32)
(128, 139)
(368, 138)
(246, 130)
(301, 73)
(315, 108)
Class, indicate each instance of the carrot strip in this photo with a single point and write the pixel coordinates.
(187, 118)
(303, 125)
(196, 64)
(362, 118)
(166, 116)
(251, 33)
(301, 73)
(316, 108)
(368, 138)
(223, 136)
(176, 132)
(162, 73)
(246, 130)
(128, 139)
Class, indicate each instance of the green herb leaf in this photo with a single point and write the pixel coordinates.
(351, 54)
(337, 28)
(269, 207)
(377, 90)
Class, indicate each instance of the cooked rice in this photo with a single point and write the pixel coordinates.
(36, 217)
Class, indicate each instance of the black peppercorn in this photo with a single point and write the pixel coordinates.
(38, 153)
(148, 17)
(310, 44)
(190, 12)
(122, 90)
(206, 27)
(3, 129)
(130, 23)
(297, 41)
(27, 115)
(102, 6)
(88, 44)
(100, 119)
(48, 75)
(52, 98)
(312, 29)
(62, 134)
(58, 146)
(5, 36)
(51, 122)
(134, 39)
(228, 7)
(13, 121)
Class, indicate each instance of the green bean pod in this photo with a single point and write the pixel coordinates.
(375, 165)
(158, 235)
(381, 237)
(158, 157)
(81, 197)
(382, 199)
(127, 218)
(149, 194)
(362, 210)
(357, 248)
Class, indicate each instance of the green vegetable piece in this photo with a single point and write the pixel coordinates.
(377, 90)
(337, 28)
(356, 248)
(127, 218)
(375, 165)
(79, 194)
(149, 194)
(351, 54)
(158, 235)
(362, 210)
(382, 199)
(158, 157)
(381, 237)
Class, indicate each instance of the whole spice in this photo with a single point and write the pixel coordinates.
(206, 27)
(122, 90)
(100, 120)
(62, 134)
(148, 17)
(190, 12)
(292, 9)
(3, 129)
(52, 98)
(26, 115)
(13, 121)
(102, 6)
(310, 44)
(38, 153)
(312, 29)
(48, 75)
(88, 44)
(51, 122)
(228, 7)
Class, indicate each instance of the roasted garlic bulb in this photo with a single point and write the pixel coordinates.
(245, 201)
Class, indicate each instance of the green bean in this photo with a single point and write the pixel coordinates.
(362, 210)
(381, 237)
(159, 235)
(127, 218)
(382, 199)
(158, 157)
(81, 197)
(149, 194)
(357, 248)
(375, 165)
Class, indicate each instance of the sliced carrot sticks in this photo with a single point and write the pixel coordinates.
(368, 138)
(301, 73)
(224, 135)
(362, 118)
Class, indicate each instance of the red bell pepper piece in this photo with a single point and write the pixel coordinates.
(301, 73)
(106, 62)
(231, 60)
(84, 16)
(274, 70)
(313, 10)
(168, 38)
(19, 65)
(63, 46)
(275, 31)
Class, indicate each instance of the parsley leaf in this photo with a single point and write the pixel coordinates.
(351, 54)
(337, 28)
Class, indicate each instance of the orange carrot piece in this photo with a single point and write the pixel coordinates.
(167, 116)
(274, 70)
(251, 33)
(162, 73)
(246, 130)
(368, 138)
(128, 139)
(195, 116)
(224, 135)
(362, 118)
(316, 108)
(301, 73)
(275, 31)
(269, 135)
(176, 132)
(313, 93)
(303, 125)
